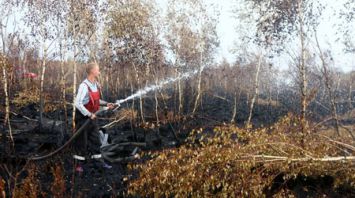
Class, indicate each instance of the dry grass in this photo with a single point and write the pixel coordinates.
(128, 114)
(31, 96)
(122, 115)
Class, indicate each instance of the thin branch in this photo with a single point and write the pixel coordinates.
(348, 146)
(302, 159)
(109, 125)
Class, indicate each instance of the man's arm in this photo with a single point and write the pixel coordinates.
(82, 92)
(103, 103)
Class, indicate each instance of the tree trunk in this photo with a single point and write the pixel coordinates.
(327, 82)
(6, 87)
(41, 96)
(256, 92)
(198, 85)
(140, 97)
(180, 94)
(302, 72)
(350, 95)
(7, 101)
(133, 118)
(156, 107)
(234, 108)
(62, 84)
(74, 87)
(75, 34)
(24, 69)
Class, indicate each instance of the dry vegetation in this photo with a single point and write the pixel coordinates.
(235, 162)
(234, 129)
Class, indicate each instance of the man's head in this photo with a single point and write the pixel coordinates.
(92, 69)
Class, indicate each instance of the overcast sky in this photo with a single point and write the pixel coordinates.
(228, 33)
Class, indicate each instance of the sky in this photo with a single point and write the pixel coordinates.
(327, 33)
(228, 32)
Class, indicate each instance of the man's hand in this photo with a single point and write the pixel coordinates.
(110, 105)
(93, 116)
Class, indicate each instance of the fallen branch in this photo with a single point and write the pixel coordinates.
(302, 159)
(109, 125)
(348, 146)
(18, 131)
(143, 144)
(321, 122)
(348, 130)
(16, 114)
(332, 118)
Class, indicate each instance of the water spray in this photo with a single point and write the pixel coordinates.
(154, 87)
(139, 93)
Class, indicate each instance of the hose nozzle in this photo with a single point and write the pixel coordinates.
(118, 102)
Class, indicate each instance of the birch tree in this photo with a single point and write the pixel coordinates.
(191, 34)
(81, 26)
(42, 17)
(277, 22)
(134, 39)
(328, 83)
(5, 8)
(256, 90)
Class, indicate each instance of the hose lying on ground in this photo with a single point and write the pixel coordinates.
(72, 138)
(109, 152)
(113, 152)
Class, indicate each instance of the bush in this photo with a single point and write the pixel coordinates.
(30, 186)
(31, 96)
(58, 185)
(236, 162)
(2, 187)
(26, 97)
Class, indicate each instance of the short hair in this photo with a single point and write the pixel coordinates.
(90, 66)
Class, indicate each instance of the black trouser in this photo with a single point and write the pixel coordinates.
(88, 142)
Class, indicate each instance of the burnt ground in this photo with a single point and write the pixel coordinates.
(96, 181)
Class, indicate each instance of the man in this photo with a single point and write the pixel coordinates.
(87, 102)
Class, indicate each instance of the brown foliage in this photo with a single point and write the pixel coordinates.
(31, 96)
(235, 162)
(30, 185)
(2, 188)
(58, 185)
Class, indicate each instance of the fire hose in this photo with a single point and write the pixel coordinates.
(106, 151)
(139, 93)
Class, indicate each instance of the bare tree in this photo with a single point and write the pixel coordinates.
(328, 84)
(277, 22)
(42, 17)
(6, 94)
(81, 27)
(256, 90)
(302, 68)
(63, 79)
(4, 65)
(134, 39)
(191, 34)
